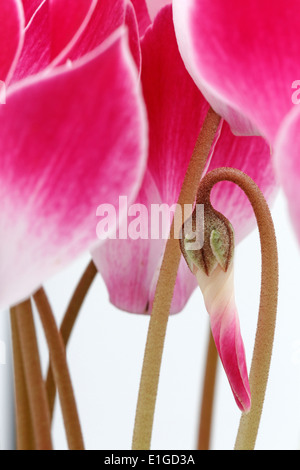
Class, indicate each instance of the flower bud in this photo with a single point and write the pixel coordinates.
(213, 268)
(218, 242)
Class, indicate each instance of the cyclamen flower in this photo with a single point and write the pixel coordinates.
(245, 58)
(72, 131)
(176, 111)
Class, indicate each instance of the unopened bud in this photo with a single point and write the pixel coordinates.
(213, 267)
(218, 243)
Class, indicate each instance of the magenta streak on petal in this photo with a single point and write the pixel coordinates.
(75, 149)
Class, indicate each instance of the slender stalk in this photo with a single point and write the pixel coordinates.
(61, 372)
(34, 380)
(263, 347)
(68, 323)
(208, 394)
(164, 291)
(24, 431)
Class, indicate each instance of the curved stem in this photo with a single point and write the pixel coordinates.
(68, 322)
(164, 291)
(34, 380)
(263, 347)
(25, 438)
(208, 395)
(61, 372)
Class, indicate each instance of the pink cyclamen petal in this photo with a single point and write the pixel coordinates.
(106, 18)
(218, 293)
(287, 152)
(236, 50)
(65, 149)
(11, 36)
(68, 20)
(127, 265)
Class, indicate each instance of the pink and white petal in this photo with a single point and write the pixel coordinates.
(235, 50)
(30, 7)
(142, 15)
(239, 124)
(11, 36)
(75, 148)
(185, 285)
(106, 18)
(287, 162)
(36, 52)
(127, 265)
(154, 6)
(218, 293)
(68, 20)
(252, 155)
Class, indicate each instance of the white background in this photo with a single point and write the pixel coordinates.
(106, 352)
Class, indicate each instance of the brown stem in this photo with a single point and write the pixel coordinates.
(263, 347)
(24, 431)
(208, 395)
(164, 291)
(68, 322)
(23, 321)
(61, 372)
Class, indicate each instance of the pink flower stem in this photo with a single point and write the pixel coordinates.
(61, 372)
(263, 347)
(27, 352)
(68, 323)
(164, 292)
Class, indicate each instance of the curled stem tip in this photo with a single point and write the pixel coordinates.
(264, 339)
